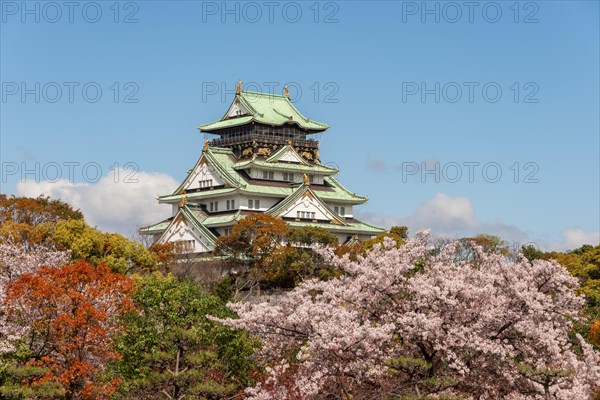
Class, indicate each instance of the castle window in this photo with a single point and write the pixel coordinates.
(268, 175)
(186, 246)
(230, 205)
(250, 203)
(311, 178)
(257, 204)
(342, 210)
(205, 183)
(305, 215)
(289, 177)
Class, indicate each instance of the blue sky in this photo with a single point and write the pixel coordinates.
(452, 87)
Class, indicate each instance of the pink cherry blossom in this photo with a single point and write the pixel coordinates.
(413, 321)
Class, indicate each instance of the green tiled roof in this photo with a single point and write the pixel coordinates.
(196, 195)
(265, 108)
(285, 166)
(204, 231)
(341, 189)
(350, 227)
(223, 161)
(155, 228)
(220, 158)
(226, 123)
(353, 226)
(189, 215)
(221, 219)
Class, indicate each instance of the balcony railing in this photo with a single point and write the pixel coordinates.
(263, 138)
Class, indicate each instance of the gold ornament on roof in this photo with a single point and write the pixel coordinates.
(306, 180)
(183, 200)
(205, 146)
(239, 87)
(307, 155)
(264, 151)
(286, 91)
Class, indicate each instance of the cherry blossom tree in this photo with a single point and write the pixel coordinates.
(414, 323)
(16, 260)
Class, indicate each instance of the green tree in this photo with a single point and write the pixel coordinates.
(531, 252)
(311, 235)
(490, 244)
(117, 252)
(584, 263)
(54, 223)
(397, 233)
(171, 349)
(299, 260)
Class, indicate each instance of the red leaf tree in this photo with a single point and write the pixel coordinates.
(71, 312)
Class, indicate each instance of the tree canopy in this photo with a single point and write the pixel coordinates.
(171, 349)
(69, 315)
(411, 323)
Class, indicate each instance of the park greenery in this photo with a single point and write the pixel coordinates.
(293, 314)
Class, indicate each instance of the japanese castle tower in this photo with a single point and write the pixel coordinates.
(261, 159)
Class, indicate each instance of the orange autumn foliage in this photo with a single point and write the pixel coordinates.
(254, 238)
(70, 314)
(595, 333)
(164, 251)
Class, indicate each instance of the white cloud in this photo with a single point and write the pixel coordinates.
(447, 213)
(454, 216)
(113, 206)
(574, 238)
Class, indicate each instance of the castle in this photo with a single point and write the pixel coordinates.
(261, 158)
